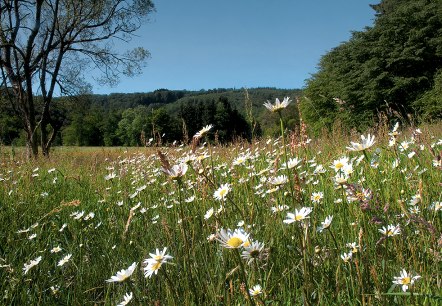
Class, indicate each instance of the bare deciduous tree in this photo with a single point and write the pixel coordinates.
(46, 46)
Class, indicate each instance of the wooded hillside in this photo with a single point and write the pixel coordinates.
(132, 119)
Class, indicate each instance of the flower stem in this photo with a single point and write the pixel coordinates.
(243, 272)
(334, 240)
(171, 288)
(307, 279)
(286, 158)
(187, 266)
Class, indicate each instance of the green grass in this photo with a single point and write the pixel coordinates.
(298, 266)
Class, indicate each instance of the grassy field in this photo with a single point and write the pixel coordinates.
(287, 221)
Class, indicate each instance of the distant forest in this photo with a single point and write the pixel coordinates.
(159, 117)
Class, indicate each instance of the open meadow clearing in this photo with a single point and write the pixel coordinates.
(286, 221)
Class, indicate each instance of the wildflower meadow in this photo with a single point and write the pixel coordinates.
(334, 220)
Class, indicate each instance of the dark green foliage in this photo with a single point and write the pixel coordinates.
(9, 124)
(228, 123)
(133, 121)
(430, 104)
(264, 121)
(164, 116)
(165, 128)
(83, 122)
(392, 64)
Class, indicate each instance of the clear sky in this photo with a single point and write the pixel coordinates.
(205, 44)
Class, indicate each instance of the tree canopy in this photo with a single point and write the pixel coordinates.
(393, 66)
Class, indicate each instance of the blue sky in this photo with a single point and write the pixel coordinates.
(205, 44)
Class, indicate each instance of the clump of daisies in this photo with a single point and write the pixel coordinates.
(156, 260)
(254, 252)
(390, 230)
(123, 274)
(255, 290)
(278, 106)
(366, 143)
(126, 299)
(221, 193)
(325, 224)
(299, 215)
(346, 257)
(233, 239)
(176, 171)
(278, 180)
(31, 264)
(405, 280)
(203, 131)
(64, 260)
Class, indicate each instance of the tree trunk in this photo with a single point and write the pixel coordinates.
(44, 139)
(49, 129)
(32, 144)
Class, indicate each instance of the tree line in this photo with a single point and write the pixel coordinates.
(159, 117)
(393, 67)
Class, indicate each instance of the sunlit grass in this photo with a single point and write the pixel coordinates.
(357, 219)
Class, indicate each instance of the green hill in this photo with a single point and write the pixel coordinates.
(164, 115)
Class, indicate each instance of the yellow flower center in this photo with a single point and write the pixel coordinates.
(299, 217)
(360, 196)
(339, 165)
(156, 266)
(405, 280)
(234, 242)
(223, 192)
